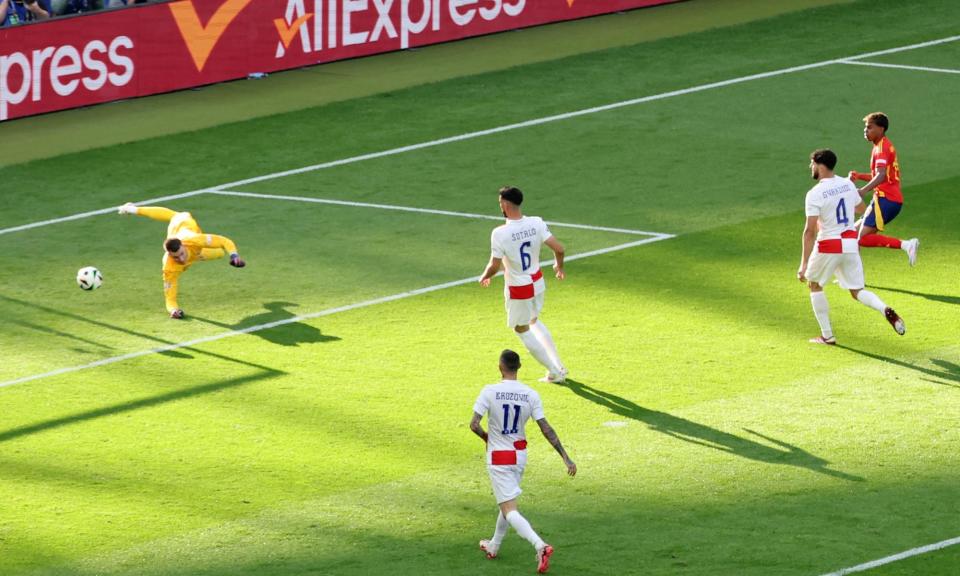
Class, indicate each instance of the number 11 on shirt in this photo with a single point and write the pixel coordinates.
(506, 418)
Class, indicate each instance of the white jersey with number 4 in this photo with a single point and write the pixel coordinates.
(833, 200)
(508, 405)
(518, 244)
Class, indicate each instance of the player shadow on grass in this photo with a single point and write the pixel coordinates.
(130, 406)
(950, 371)
(934, 297)
(54, 332)
(284, 330)
(167, 348)
(688, 431)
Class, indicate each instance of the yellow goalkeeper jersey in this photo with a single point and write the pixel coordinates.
(199, 246)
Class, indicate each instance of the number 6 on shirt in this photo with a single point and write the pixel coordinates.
(524, 257)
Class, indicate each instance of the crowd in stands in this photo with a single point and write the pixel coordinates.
(13, 12)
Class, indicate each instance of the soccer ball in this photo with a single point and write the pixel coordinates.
(89, 278)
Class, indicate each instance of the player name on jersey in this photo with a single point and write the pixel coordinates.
(515, 396)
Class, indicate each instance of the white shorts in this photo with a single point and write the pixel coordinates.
(505, 481)
(522, 312)
(847, 267)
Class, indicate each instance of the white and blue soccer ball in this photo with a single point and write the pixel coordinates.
(89, 278)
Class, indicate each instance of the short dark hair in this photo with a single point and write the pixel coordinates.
(512, 194)
(824, 157)
(172, 244)
(510, 360)
(878, 118)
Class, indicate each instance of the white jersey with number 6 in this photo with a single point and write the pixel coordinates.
(518, 244)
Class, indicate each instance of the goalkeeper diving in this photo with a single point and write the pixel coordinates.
(185, 244)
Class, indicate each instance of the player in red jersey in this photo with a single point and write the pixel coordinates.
(884, 181)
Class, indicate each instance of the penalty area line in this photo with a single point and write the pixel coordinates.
(426, 211)
(895, 557)
(901, 66)
(111, 210)
(516, 126)
(320, 314)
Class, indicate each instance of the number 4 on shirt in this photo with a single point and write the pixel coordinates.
(842, 212)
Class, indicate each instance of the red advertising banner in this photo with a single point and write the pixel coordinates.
(175, 45)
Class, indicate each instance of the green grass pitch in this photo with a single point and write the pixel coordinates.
(711, 438)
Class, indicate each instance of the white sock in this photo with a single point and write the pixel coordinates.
(872, 300)
(537, 349)
(821, 309)
(524, 529)
(543, 335)
(501, 530)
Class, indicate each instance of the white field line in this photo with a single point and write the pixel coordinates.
(509, 127)
(426, 211)
(327, 312)
(111, 210)
(896, 557)
(902, 66)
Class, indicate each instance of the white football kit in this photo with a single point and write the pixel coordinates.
(517, 243)
(508, 405)
(837, 251)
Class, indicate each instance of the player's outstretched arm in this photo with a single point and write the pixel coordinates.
(554, 440)
(477, 428)
(880, 178)
(170, 280)
(558, 253)
(223, 243)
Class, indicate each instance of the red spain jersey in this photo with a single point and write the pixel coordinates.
(885, 155)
